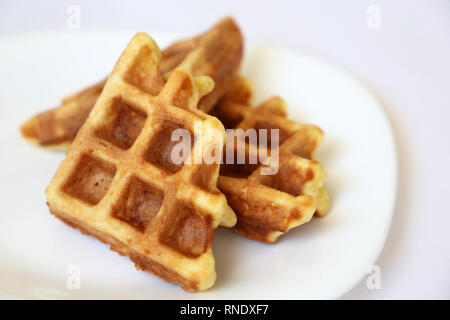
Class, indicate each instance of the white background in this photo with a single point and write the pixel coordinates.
(406, 64)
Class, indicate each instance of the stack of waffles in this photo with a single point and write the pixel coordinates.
(157, 199)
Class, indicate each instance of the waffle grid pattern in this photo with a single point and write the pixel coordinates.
(268, 206)
(118, 179)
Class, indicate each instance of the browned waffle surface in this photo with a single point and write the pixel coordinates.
(216, 53)
(268, 205)
(119, 183)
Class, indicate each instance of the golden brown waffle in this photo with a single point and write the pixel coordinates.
(269, 205)
(119, 184)
(216, 53)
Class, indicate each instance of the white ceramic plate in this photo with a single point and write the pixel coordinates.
(322, 259)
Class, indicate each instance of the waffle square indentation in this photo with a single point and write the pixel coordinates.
(123, 124)
(90, 180)
(186, 231)
(288, 179)
(139, 204)
(159, 151)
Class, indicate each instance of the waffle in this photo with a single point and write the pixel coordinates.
(216, 53)
(267, 206)
(119, 185)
